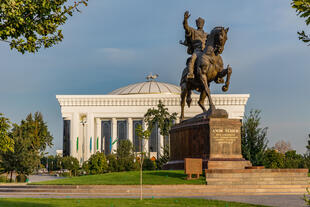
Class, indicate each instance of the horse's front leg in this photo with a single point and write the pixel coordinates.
(201, 101)
(228, 73)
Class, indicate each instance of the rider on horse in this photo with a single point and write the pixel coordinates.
(195, 40)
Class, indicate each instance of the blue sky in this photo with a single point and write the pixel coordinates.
(115, 43)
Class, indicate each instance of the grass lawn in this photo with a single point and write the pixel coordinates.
(162, 177)
(116, 202)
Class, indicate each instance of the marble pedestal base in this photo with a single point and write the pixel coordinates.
(216, 140)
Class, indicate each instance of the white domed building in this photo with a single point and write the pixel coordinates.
(95, 123)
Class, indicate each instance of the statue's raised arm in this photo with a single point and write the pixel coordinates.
(185, 23)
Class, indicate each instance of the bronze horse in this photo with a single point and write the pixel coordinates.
(208, 68)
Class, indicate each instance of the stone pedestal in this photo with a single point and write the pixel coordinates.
(216, 140)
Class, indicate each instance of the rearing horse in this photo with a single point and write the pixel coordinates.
(208, 68)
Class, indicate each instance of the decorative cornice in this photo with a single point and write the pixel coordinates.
(145, 100)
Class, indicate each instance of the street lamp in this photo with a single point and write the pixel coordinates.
(83, 122)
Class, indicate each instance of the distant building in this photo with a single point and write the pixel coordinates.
(93, 123)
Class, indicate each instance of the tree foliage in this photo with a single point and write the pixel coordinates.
(24, 159)
(303, 10)
(276, 159)
(96, 164)
(70, 163)
(161, 117)
(308, 146)
(253, 138)
(273, 159)
(294, 160)
(51, 162)
(6, 142)
(34, 130)
(31, 138)
(125, 156)
(164, 158)
(28, 25)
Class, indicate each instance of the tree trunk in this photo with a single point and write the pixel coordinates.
(141, 166)
(11, 177)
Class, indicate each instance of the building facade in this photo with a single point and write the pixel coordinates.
(96, 123)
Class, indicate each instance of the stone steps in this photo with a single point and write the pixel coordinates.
(257, 177)
(154, 190)
(237, 175)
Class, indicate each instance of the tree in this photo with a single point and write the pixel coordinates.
(282, 146)
(273, 159)
(253, 138)
(163, 159)
(303, 10)
(23, 160)
(142, 135)
(70, 163)
(96, 164)
(31, 138)
(125, 156)
(160, 117)
(294, 160)
(308, 146)
(51, 162)
(35, 129)
(6, 142)
(28, 25)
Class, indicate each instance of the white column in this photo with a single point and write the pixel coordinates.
(145, 142)
(177, 121)
(98, 134)
(90, 134)
(75, 126)
(160, 143)
(130, 130)
(114, 133)
(84, 141)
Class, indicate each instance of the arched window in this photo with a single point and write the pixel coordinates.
(136, 141)
(106, 136)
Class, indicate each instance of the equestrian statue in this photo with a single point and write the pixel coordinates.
(204, 66)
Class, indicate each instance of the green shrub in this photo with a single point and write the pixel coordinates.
(3, 179)
(294, 160)
(125, 156)
(97, 164)
(21, 178)
(273, 159)
(65, 174)
(148, 164)
(112, 163)
(70, 163)
(163, 159)
(85, 168)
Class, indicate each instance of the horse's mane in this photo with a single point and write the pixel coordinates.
(211, 36)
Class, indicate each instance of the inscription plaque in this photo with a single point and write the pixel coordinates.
(225, 139)
(193, 166)
(225, 136)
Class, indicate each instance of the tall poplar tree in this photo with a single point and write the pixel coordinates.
(253, 138)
